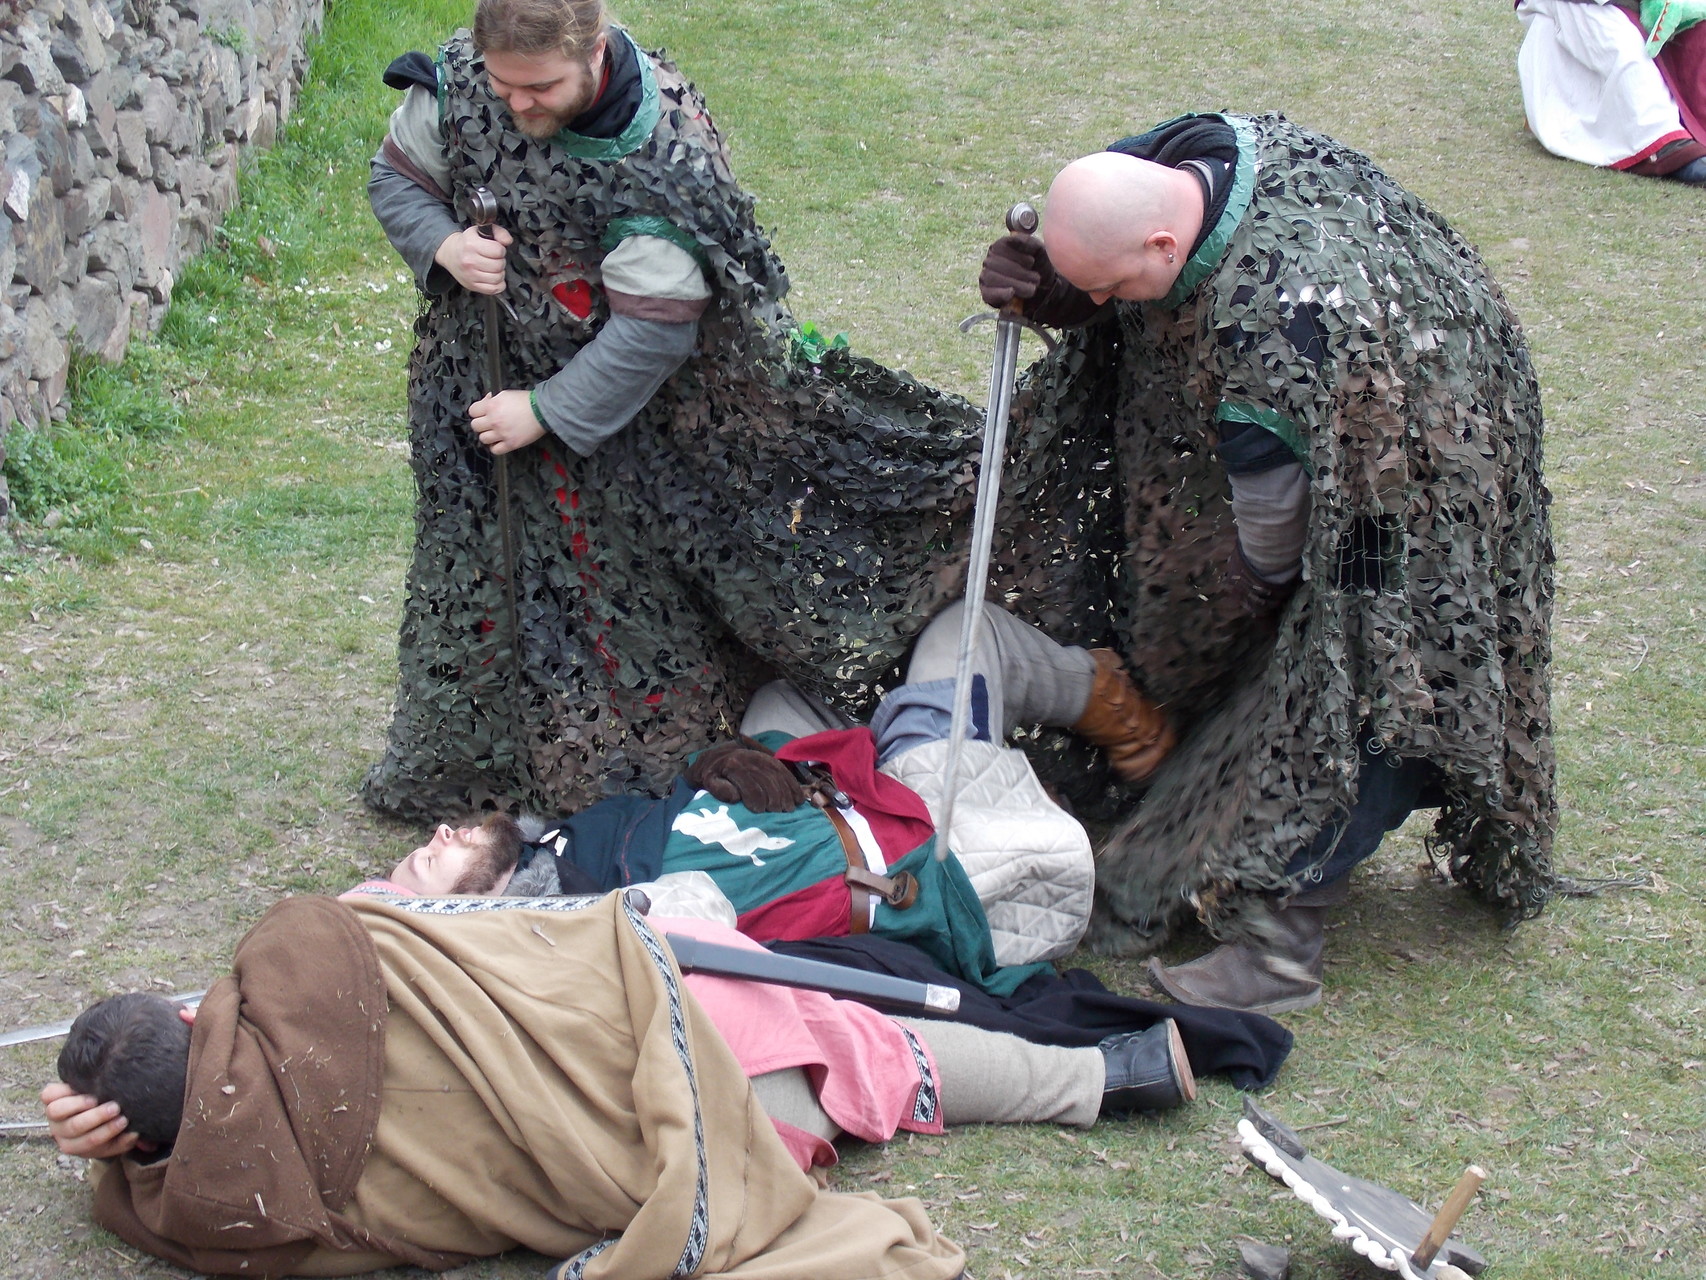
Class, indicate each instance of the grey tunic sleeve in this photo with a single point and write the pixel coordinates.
(414, 221)
(611, 378)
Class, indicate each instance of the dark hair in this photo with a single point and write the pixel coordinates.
(531, 27)
(133, 1050)
(500, 849)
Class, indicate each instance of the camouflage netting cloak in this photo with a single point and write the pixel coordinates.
(762, 516)
(1424, 614)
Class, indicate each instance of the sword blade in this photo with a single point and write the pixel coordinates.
(1002, 370)
(53, 1030)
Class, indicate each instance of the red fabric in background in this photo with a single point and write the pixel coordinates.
(1682, 62)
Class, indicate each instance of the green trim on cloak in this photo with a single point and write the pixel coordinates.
(1662, 19)
(1205, 260)
(1268, 420)
(621, 229)
(639, 128)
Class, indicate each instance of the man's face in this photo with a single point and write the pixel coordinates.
(460, 860)
(1144, 276)
(544, 91)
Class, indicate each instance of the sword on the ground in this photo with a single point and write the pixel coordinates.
(53, 1030)
(882, 990)
(1009, 321)
(484, 206)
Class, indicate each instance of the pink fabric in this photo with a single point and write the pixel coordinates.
(378, 885)
(861, 1063)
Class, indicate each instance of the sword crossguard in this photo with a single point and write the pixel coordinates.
(1009, 317)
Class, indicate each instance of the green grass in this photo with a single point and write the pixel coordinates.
(197, 675)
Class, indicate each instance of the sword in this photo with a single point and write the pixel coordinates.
(694, 955)
(844, 982)
(1009, 321)
(484, 206)
(53, 1030)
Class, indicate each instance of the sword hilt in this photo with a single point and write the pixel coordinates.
(1021, 220)
(483, 205)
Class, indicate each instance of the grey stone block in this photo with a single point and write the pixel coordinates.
(100, 317)
(165, 168)
(111, 250)
(45, 351)
(41, 251)
(132, 136)
(159, 109)
(53, 148)
(68, 55)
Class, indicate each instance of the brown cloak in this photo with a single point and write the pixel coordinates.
(382, 1082)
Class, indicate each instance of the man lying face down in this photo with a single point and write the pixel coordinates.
(407, 1063)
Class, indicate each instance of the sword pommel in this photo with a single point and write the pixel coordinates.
(1022, 219)
(484, 206)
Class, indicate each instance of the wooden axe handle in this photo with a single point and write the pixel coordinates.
(1449, 1213)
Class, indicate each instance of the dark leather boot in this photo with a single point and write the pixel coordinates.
(1282, 976)
(1146, 1070)
(1120, 718)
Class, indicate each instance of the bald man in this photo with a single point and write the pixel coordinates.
(1326, 435)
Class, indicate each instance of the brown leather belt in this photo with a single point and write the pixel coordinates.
(900, 892)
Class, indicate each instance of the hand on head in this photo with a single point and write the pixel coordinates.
(85, 1126)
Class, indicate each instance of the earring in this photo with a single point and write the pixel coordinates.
(1169, 257)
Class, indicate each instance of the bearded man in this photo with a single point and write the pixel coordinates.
(698, 507)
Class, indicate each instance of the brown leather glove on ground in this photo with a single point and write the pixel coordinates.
(745, 775)
(1017, 266)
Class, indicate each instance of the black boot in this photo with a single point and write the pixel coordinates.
(1146, 1070)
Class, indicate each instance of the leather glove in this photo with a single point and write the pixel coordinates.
(742, 775)
(1017, 266)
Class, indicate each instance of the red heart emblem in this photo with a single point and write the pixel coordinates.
(576, 297)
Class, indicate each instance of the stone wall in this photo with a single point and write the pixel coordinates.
(121, 123)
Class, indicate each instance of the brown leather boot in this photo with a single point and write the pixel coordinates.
(1283, 976)
(1120, 718)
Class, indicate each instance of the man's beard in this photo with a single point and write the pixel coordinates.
(546, 126)
(550, 124)
(497, 851)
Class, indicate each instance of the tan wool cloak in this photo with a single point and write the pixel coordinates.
(384, 1081)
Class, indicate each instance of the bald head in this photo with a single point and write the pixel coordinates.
(1117, 226)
